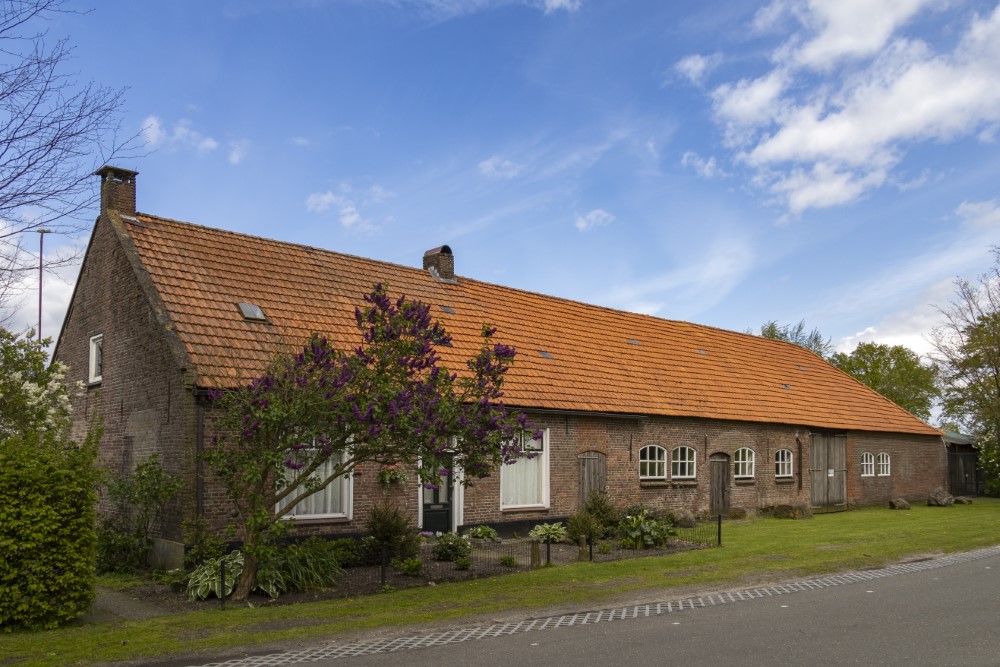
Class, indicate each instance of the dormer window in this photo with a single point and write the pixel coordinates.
(96, 359)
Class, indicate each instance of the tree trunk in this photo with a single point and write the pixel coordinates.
(248, 576)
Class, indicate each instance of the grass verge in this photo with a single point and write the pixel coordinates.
(758, 550)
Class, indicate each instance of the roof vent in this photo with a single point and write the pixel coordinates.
(546, 355)
(447, 309)
(440, 263)
(633, 341)
(785, 386)
(701, 351)
(252, 311)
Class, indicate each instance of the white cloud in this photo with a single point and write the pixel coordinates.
(550, 6)
(821, 138)
(499, 168)
(347, 206)
(851, 28)
(152, 131)
(705, 168)
(300, 141)
(182, 135)
(596, 218)
(979, 215)
(695, 67)
(238, 150)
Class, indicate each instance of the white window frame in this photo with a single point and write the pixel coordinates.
(95, 374)
(346, 499)
(883, 465)
(783, 467)
(653, 457)
(743, 466)
(867, 464)
(689, 462)
(543, 454)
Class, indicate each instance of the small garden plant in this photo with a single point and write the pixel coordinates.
(642, 531)
(548, 532)
(483, 533)
(450, 547)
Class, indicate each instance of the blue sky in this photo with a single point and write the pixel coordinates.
(725, 163)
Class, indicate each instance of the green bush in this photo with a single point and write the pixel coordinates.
(123, 541)
(201, 545)
(642, 531)
(206, 580)
(391, 529)
(411, 567)
(48, 491)
(585, 525)
(599, 506)
(450, 547)
(347, 552)
(463, 563)
(508, 561)
(483, 533)
(553, 532)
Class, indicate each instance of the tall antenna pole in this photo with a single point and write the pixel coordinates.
(41, 263)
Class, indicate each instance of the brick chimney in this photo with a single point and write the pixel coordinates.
(117, 189)
(440, 263)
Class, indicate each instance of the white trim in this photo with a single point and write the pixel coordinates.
(93, 377)
(658, 462)
(750, 462)
(867, 461)
(883, 461)
(346, 501)
(544, 456)
(692, 462)
(789, 463)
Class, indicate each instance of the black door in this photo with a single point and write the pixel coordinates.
(437, 506)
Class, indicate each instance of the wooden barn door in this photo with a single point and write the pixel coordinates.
(962, 473)
(719, 486)
(828, 471)
(592, 474)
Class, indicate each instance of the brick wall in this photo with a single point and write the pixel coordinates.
(917, 466)
(142, 399)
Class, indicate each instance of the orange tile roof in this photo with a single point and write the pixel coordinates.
(677, 368)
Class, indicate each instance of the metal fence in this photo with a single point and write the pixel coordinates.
(488, 558)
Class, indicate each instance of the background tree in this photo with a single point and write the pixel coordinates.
(968, 351)
(895, 372)
(34, 397)
(54, 132)
(388, 401)
(796, 333)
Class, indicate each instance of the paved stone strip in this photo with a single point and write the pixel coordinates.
(368, 647)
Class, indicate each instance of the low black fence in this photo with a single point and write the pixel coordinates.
(380, 571)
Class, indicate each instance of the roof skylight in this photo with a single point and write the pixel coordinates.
(785, 386)
(701, 351)
(447, 309)
(251, 311)
(545, 355)
(633, 341)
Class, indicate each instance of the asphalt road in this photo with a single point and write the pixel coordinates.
(944, 616)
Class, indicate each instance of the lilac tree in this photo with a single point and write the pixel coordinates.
(388, 401)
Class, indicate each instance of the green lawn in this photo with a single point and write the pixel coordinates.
(758, 550)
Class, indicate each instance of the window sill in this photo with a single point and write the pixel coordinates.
(525, 508)
(745, 482)
(318, 521)
(94, 383)
(661, 484)
(784, 480)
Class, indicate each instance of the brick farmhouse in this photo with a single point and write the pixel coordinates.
(660, 412)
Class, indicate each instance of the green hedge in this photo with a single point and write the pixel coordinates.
(47, 531)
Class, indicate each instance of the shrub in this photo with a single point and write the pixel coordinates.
(604, 548)
(411, 567)
(584, 524)
(136, 499)
(463, 563)
(641, 531)
(392, 530)
(483, 533)
(176, 579)
(201, 545)
(48, 491)
(599, 506)
(205, 579)
(347, 552)
(548, 532)
(450, 547)
(508, 561)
